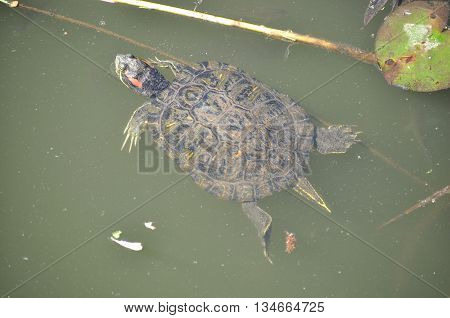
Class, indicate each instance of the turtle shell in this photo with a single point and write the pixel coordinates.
(239, 139)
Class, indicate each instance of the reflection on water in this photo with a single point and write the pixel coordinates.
(64, 180)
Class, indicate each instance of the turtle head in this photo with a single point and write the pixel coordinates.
(139, 75)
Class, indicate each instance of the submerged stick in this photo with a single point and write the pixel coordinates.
(422, 203)
(285, 35)
(396, 165)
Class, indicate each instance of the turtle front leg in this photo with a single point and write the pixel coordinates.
(141, 120)
(263, 223)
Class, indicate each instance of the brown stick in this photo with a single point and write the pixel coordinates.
(432, 198)
(396, 165)
(286, 35)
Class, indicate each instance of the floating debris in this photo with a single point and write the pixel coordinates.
(116, 234)
(134, 246)
(149, 225)
(290, 242)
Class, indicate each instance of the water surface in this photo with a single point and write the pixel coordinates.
(64, 180)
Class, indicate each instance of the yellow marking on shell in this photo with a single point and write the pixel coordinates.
(253, 94)
(336, 152)
(189, 154)
(313, 196)
(222, 80)
(205, 82)
(169, 125)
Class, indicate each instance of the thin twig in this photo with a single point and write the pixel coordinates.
(285, 35)
(422, 203)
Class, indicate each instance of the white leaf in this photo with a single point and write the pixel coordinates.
(149, 225)
(135, 246)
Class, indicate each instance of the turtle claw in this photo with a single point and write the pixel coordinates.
(132, 137)
(125, 141)
(131, 144)
(126, 128)
(134, 127)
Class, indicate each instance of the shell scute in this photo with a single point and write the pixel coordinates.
(239, 138)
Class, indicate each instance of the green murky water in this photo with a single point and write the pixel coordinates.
(63, 179)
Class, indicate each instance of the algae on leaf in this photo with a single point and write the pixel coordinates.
(413, 47)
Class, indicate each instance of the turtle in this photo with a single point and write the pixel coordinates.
(376, 5)
(238, 138)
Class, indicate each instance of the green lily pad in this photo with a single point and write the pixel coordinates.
(413, 47)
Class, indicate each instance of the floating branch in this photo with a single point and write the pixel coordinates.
(286, 35)
(422, 203)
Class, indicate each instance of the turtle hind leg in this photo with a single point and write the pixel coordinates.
(335, 139)
(263, 223)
